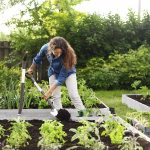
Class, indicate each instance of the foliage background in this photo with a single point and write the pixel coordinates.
(112, 53)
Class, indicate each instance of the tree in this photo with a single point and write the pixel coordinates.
(45, 20)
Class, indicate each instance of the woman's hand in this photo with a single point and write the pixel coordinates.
(31, 69)
(49, 91)
(47, 94)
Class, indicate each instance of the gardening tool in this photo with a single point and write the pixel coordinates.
(24, 62)
(62, 114)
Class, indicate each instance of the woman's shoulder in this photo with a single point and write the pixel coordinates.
(45, 46)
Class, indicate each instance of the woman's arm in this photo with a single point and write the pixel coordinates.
(50, 91)
(38, 58)
(59, 81)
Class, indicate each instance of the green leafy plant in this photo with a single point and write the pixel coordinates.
(42, 104)
(19, 135)
(52, 135)
(115, 73)
(90, 112)
(9, 83)
(87, 112)
(141, 117)
(130, 143)
(10, 96)
(87, 95)
(144, 90)
(85, 136)
(145, 93)
(33, 98)
(136, 84)
(114, 130)
(65, 97)
(2, 130)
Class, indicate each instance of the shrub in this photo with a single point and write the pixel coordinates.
(120, 71)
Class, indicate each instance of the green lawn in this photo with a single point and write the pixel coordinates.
(113, 99)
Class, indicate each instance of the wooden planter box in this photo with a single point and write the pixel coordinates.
(132, 103)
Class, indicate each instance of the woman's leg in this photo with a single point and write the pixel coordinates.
(71, 83)
(56, 94)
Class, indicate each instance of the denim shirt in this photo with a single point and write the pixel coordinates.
(56, 66)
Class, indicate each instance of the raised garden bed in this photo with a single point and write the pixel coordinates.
(136, 101)
(36, 124)
(36, 117)
(141, 127)
(34, 133)
(145, 140)
(140, 120)
(41, 114)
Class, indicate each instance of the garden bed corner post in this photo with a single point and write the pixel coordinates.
(24, 62)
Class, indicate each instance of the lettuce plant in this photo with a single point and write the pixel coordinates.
(52, 135)
(114, 130)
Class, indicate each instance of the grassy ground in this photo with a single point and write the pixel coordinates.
(113, 99)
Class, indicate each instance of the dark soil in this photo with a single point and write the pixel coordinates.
(141, 98)
(63, 115)
(34, 133)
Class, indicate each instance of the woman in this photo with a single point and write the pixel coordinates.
(62, 60)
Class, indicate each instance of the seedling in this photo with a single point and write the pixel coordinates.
(130, 143)
(85, 136)
(90, 112)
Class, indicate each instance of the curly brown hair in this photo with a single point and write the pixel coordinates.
(68, 53)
